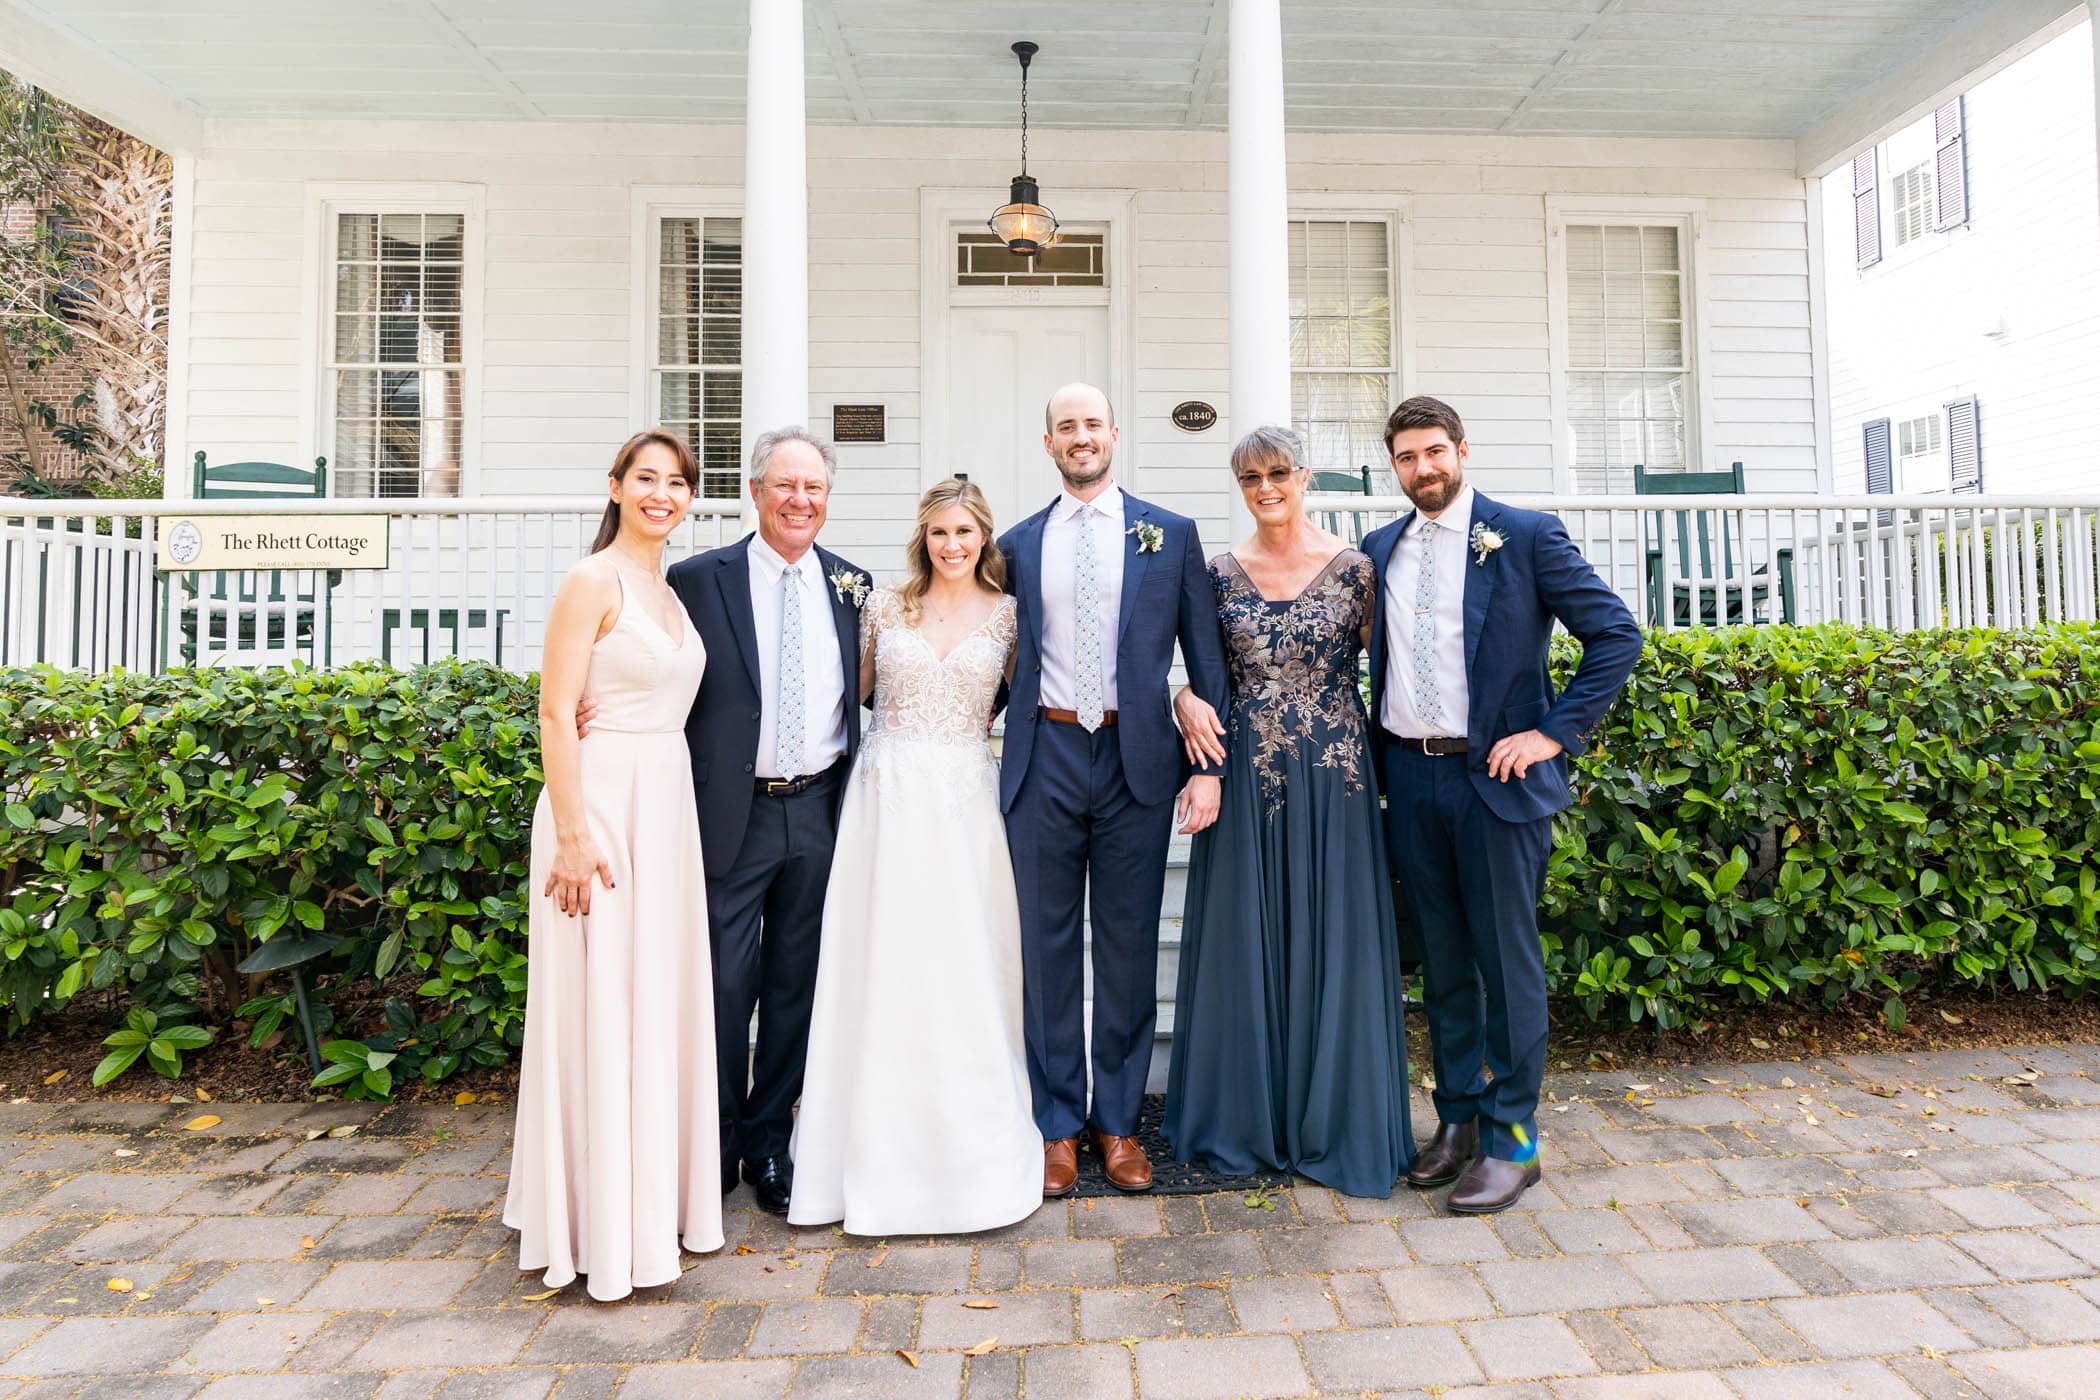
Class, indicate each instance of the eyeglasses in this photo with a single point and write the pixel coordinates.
(1274, 476)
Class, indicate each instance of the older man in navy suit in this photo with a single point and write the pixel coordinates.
(1105, 585)
(1473, 747)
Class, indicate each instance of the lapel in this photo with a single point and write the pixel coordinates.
(1134, 562)
(1480, 581)
(733, 578)
(845, 621)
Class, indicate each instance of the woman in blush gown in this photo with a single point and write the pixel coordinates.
(614, 1166)
(916, 1117)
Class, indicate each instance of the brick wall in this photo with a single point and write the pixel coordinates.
(58, 382)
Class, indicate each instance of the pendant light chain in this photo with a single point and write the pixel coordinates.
(1024, 116)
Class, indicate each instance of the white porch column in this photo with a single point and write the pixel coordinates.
(776, 226)
(1258, 202)
(2092, 14)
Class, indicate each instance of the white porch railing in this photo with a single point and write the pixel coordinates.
(474, 578)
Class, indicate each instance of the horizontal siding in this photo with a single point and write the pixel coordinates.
(554, 338)
(2006, 308)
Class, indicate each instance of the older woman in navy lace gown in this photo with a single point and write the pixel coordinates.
(1289, 1052)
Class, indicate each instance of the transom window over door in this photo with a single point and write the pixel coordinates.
(1341, 341)
(396, 366)
(698, 375)
(1629, 385)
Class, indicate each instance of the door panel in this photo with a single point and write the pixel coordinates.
(1004, 362)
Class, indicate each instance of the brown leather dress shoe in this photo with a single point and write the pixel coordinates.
(1122, 1161)
(1491, 1184)
(1454, 1145)
(1060, 1166)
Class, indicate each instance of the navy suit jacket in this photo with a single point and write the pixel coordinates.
(721, 733)
(1167, 594)
(1512, 600)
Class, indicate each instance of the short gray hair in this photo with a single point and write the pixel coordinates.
(1267, 444)
(766, 443)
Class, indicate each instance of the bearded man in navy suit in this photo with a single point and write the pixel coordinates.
(1473, 749)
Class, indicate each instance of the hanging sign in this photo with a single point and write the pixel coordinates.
(1194, 416)
(190, 542)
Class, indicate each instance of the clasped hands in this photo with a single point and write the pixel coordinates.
(1203, 737)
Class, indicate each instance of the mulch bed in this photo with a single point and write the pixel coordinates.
(69, 1045)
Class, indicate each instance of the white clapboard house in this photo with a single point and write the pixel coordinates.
(460, 249)
(1965, 327)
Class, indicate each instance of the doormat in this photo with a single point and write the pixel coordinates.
(1169, 1177)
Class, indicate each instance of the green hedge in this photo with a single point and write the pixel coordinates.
(1769, 813)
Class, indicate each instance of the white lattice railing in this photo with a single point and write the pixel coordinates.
(474, 578)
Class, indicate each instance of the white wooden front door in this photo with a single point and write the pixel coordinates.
(1004, 362)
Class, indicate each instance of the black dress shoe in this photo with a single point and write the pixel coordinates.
(1492, 1184)
(729, 1177)
(1454, 1145)
(773, 1179)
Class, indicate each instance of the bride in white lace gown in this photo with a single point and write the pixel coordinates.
(915, 1115)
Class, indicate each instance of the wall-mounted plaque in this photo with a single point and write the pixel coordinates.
(1194, 416)
(858, 422)
(273, 542)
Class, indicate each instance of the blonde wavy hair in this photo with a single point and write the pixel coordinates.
(991, 563)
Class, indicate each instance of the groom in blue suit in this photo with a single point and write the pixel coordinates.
(1105, 585)
(1472, 749)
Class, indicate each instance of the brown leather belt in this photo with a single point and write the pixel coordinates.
(788, 787)
(1435, 747)
(1108, 717)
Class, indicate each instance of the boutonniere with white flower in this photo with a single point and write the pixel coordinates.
(848, 586)
(1149, 536)
(1485, 542)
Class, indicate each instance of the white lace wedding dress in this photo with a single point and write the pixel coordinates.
(915, 1113)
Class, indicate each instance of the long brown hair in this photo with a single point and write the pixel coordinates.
(991, 564)
(688, 468)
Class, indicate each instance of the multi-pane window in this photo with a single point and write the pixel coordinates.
(1920, 464)
(698, 376)
(1628, 379)
(1341, 341)
(1911, 200)
(1074, 260)
(396, 354)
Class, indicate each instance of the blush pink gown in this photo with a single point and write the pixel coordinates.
(615, 1164)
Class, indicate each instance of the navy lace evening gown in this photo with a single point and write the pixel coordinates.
(1289, 1050)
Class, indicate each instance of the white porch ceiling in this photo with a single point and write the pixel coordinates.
(1751, 68)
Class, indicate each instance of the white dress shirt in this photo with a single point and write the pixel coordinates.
(1060, 604)
(1400, 714)
(823, 678)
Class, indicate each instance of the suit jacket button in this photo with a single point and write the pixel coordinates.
(747, 767)
(755, 714)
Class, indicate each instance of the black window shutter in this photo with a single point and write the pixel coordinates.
(1951, 173)
(1880, 466)
(1866, 207)
(1965, 446)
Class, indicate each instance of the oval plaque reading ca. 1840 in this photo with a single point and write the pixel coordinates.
(1194, 416)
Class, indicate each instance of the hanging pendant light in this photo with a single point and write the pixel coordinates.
(1022, 223)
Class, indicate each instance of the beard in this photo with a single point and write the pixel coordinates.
(1434, 493)
(1082, 474)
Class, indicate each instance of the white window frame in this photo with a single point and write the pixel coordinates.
(1912, 145)
(1399, 252)
(1935, 414)
(324, 201)
(1690, 217)
(650, 205)
(1919, 212)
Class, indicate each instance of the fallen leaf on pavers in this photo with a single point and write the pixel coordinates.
(465, 1097)
(1786, 1081)
(1647, 1103)
(1845, 1112)
(1950, 1018)
(125, 1152)
(312, 1133)
(745, 1249)
(306, 1242)
(982, 1347)
(2027, 1078)
(1086, 1204)
(203, 1095)
(178, 1098)
(118, 1285)
(1560, 1108)
(1910, 1151)
(65, 1300)
(979, 1303)
(178, 1278)
(266, 1302)
(1813, 1121)
(1879, 1091)
(1711, 1080)
(541, 1297)
(1639, 1088)
(875, 1259)
(1760, 1044)
(56, 1075)
(143, 1296)
(343, 1130)
(201, 1122)
(909, 1359)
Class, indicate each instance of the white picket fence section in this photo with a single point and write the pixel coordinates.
(474, 578)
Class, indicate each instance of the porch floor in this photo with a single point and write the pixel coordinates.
(1872, 1225)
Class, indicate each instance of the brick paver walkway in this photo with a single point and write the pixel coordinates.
(1863, 1226)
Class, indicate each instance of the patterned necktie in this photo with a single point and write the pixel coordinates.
(1086, 598)
(787, 734)
(1427, 702)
